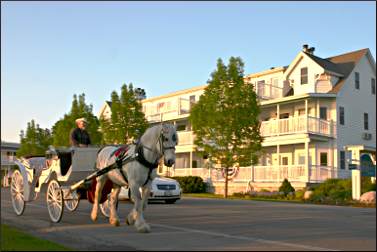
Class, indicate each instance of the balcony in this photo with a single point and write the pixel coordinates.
(185, 138)
(268, 91)
(299, 124)
(7, 160)
(169, 110)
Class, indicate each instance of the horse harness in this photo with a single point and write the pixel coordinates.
(122, 158)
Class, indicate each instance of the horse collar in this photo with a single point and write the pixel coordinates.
(140, 157)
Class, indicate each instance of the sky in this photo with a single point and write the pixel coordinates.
(53, 50)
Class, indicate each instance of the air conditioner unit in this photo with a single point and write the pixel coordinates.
(366, 136)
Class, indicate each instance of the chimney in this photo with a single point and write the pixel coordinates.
(311, 50)
(305, 48)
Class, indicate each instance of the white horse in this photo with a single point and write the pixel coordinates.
(138, 172)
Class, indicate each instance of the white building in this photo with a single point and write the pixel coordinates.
(318, 116)
(8, 153)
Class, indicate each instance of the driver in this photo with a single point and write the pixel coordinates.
(79, 137)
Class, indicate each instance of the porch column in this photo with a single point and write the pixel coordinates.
(191, 163)
(307, 172)
(278, 118)
(317, 115)
(332, 158)
(278, 154)
(307, 116)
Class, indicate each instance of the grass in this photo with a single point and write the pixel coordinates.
(15, 240)
(260, 198)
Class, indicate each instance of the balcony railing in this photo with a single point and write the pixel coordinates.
(300, 124)
(185, 138)
(7, 160)
(268, 91)
(172, 110)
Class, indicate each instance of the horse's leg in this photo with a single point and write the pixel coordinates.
(99, 186)
(137, 212)
(145, 191)
(114, 219)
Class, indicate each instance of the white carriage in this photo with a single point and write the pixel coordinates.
(68, 173)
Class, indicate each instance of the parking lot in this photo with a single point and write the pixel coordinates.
(205, 224)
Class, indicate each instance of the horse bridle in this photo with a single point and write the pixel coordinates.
(160, 140)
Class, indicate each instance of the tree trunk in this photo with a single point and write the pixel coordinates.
(226, 183)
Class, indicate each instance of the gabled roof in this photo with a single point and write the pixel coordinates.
(325, 63)
(346, 63)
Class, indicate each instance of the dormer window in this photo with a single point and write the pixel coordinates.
(304, 75)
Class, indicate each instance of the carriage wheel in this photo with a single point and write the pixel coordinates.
(54, 199)
(17, 192)
(105, 207)
(72, 202)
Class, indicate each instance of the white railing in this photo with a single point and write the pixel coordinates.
(172, 110)
(7, 160)
(279, 173)
(298, 124)
(294, 173)
(185, 138)
(268, 91)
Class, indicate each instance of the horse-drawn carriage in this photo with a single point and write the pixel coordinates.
(62, 171)
(96, 174)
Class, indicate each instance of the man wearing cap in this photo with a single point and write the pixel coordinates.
(79, 137)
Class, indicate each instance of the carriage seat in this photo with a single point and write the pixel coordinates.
(65, 157)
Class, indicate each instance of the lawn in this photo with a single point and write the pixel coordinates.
(15, 240)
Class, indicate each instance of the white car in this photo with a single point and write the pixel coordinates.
(164, 189)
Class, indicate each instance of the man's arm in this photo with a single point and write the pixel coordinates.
(73, 138)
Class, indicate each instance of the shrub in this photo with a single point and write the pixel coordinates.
(367, 185)
(286, 187)
(333, 191)
(191, 184)
(299, 194)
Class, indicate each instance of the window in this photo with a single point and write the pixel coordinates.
(194, 164)
(357, 80)
(341, 115)
(373, 83)
(192, 98)
(342, 159)
(304, 75)
(181, 127)
(366, 126)
(284, 160)
(323, 113)
(323, 158)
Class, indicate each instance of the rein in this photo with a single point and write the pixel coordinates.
(139, 156)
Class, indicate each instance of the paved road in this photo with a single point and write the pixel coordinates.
(206, 224)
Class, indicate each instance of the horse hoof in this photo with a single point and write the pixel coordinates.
(115, 223)
(129, 222)
(93, 217)
(144, 229)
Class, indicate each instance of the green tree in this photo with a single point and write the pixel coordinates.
(63, 127)
(34, 141)
(225, 120)
(127, 120)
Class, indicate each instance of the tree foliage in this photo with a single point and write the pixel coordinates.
(34, 141)
(62, 128)
(127, 120)
(225, 120)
